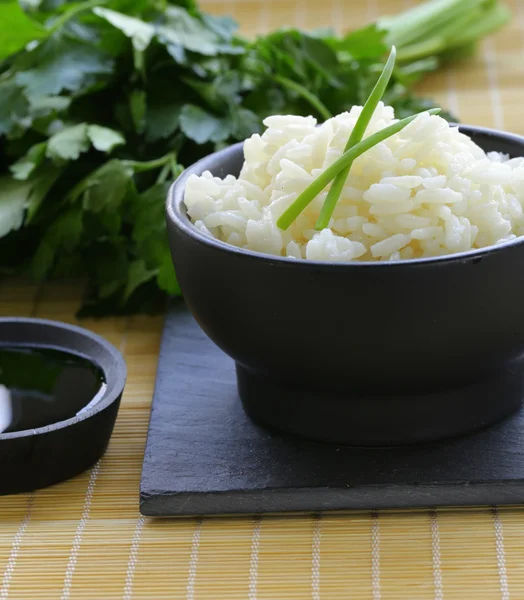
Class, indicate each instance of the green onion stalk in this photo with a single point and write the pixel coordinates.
(443, 27)
(356, 136)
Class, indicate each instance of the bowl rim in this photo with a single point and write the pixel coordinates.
(112, 365)
(177, 214)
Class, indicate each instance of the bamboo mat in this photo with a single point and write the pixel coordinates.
(85, 538)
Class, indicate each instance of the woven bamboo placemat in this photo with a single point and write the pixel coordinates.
(85, 538)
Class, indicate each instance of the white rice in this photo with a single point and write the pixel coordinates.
(426, 191)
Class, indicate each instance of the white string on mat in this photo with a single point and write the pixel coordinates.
(15, 549)
(77, 540)
(375, 555)
(253, 561)
(315, 557)
(435, 554)
(193, 561)
(133, 558)
(501, 554)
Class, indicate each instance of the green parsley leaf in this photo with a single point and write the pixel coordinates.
(148, 227)
(224, 26)
(181, 29)
(40, 187)
(106, 188)
(138, 274)
(150, 235)
(13, 202)
(63, 234)
(68, 144)
(17, 28)
(140, 32)
(103, 138)
(109, 265)
(245, 123)
(17, 195)
(201, 126)
(62, 63)
(162, 120)
(166, 277)
(14, 107)
(42, 106)
(25, 166)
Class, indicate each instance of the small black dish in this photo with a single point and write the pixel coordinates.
(44, 455)
(364, 353)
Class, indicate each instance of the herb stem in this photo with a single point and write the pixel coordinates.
(313, 100)
(311, 192)
(356, 135)
(164, 173)
(72, 12)
(140, 167)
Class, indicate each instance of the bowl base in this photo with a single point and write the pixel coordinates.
(360, 420)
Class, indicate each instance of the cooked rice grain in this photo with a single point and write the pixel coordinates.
(426, 191)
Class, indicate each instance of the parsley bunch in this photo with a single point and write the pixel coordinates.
(104, 102)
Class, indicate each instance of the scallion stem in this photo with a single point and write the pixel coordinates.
(312, 191)
(441, 26)
(356, 135)
(424, 21)
(491, 21)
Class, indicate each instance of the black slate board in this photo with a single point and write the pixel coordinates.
(204, 456)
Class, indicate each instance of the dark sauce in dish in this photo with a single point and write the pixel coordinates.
(40, 387)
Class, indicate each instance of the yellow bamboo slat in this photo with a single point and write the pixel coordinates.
(85, 538)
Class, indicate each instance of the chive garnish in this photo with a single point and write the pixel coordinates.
(356, 135)
(311, 192)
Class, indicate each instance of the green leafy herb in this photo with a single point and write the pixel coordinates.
(14, 108)
(103, 138)
(17, 28)
(69, 143)
(105, 101)
(60, 63)
(141, 33)
(201, 126)
(26, 165)
(13, 203)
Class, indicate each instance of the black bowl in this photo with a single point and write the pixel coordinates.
(363, 353)
(40, 457)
